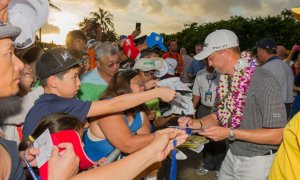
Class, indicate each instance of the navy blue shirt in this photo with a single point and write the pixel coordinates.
(51, 103)
(297, 80)
(195, 67)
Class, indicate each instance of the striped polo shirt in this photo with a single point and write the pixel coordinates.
(264, 108)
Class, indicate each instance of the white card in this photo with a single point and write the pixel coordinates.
(44, 143)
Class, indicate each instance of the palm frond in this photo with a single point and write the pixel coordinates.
(53, 6)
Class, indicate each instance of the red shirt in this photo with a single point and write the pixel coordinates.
(92, 58)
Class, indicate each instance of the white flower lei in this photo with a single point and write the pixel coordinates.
(232, 99)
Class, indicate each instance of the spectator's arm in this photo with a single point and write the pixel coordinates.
(126, 101)
(290, 56)
(130, 166)
(146, 127)
(142, 46)
(118, 134)
(196, 100)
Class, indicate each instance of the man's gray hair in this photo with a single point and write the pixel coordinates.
(105, 49)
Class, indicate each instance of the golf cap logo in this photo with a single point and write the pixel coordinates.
(65, 55)
(157, 38)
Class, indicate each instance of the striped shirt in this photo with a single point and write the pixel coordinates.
(284, 75)
(264, 108)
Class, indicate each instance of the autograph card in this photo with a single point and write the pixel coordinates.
(44, 143)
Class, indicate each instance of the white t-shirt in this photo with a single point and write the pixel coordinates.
(205, 87)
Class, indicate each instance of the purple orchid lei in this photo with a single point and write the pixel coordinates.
(232, 93)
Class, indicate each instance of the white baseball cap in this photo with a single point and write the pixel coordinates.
(90, 43)
(147, 64)
(172, 64)
(217, 40)
(163, 70)
(30, 16)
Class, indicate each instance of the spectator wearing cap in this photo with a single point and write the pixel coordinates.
(266, 52)
(10, 67)
(253, 125)
(196, 66)
(59, 72)
(172, 53)
(146, 67)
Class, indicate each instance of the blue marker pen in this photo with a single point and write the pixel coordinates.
(31, 171)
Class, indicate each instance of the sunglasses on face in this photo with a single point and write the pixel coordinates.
(111, 64)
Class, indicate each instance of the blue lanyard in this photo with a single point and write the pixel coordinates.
(173, 168)
(209, 82)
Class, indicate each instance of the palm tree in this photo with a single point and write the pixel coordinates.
(89, 27)
(99, 26)
(53, 6)
(104, 18)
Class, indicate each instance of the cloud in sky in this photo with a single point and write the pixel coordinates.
(152, 6)
(113, 4)
(169, 16)
(50, 29)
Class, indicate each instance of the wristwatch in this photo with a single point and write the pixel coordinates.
(231, 136)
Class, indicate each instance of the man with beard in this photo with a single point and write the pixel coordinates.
(172, 53)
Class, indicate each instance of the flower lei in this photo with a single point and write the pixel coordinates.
(232, 93)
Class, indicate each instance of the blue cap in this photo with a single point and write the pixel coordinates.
(267, 43)
(123, 37)
(155, 40)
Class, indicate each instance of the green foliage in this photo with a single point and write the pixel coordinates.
(99, 26)
(283, 28)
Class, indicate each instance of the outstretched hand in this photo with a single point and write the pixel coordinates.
(166, 94)
(30, 155)
(185, 122)
(150, 84)
(163, 141)
(136, 33)
(216, 133)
